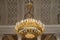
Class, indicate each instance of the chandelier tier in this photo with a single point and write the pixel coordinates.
(29, 27)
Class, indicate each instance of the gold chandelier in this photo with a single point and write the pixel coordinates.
(29, 27)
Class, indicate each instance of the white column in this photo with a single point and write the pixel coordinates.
(39, 38)
(1, 36)
(19, 37)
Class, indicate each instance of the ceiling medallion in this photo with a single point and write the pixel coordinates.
(29, 27)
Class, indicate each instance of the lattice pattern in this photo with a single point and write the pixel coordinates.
(12, 11)
(45, 10)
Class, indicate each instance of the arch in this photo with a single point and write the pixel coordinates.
(48, 37)
(10, 37)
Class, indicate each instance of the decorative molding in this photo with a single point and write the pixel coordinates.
(10, 29)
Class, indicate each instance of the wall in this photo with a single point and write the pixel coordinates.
(12, 11)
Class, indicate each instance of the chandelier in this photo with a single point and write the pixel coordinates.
(29, 27)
